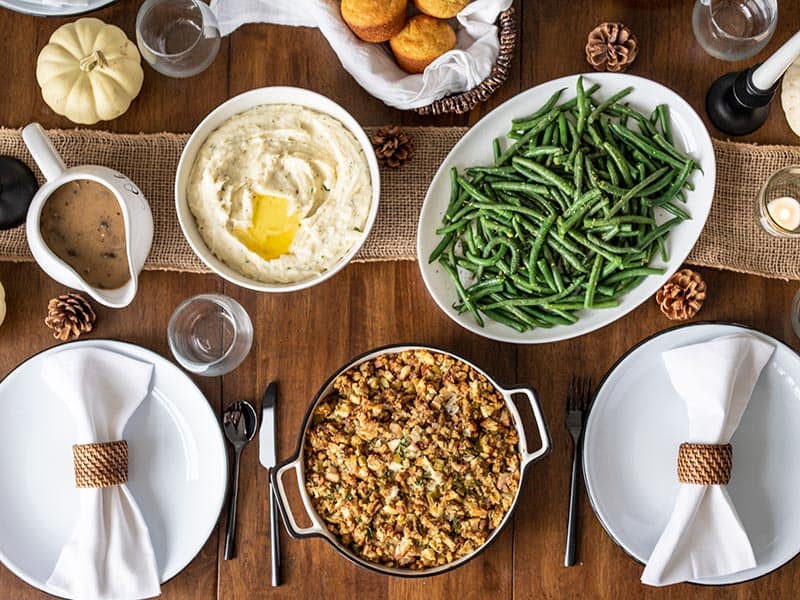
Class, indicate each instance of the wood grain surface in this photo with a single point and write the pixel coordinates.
(300, 338)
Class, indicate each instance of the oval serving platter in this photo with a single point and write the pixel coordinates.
(475, 148)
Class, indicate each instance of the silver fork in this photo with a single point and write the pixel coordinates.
(579, 395)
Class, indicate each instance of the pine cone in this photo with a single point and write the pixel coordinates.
(611, 47)
(393, 147)
(682, 296)
(69, 315)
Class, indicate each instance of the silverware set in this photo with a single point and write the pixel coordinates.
(579, 397)
(240, 423)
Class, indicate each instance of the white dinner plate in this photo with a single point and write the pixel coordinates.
(177, 466)
(630, 451)
(475, 149)
(39, 9)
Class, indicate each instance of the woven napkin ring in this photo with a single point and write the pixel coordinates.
(100, 465)
(705, 464)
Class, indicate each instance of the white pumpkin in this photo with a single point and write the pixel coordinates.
(89, 71)
(790, 96)
(2, 304)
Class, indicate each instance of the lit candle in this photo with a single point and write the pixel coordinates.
(785, 211)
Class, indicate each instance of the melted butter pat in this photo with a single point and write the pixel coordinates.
(273, 229)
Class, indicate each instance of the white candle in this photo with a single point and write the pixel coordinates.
(785, 211)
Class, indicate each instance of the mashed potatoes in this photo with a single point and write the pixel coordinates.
(280, 192)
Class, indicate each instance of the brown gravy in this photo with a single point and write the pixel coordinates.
(82, 224)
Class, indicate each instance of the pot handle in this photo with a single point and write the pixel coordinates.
(527, 456)
(276, 474)
(43, 152)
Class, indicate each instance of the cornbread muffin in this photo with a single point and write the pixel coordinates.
(441, 9)
(421, 41)
(374, 20)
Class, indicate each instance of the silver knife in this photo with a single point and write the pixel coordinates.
(267, 451)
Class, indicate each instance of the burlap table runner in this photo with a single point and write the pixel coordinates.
(732, 239)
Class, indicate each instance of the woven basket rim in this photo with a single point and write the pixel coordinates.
(465, 101)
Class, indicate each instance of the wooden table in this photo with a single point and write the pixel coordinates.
(302, 337)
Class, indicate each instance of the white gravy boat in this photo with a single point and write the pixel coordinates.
(134, 208)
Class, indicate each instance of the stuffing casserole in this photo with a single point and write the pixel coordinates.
(413, 460)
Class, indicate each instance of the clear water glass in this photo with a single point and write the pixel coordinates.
(178, 38)
(210, 334)
(778, 203)
(734, 29)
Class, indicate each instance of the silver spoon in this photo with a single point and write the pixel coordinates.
(240, 423)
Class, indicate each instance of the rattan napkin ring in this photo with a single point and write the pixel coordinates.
(705, 464)
(100, 465)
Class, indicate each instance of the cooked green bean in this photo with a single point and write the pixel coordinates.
(610, 101)
(519, 123)
(563, 220)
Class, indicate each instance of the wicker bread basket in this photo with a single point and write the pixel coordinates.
(466, 101)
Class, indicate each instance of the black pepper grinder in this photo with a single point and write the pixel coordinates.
(17, 188)
(738, 103)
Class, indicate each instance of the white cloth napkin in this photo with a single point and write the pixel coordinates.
(109, 555)
(704, 536)
(372, 66)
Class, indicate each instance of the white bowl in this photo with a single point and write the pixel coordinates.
(234, 106)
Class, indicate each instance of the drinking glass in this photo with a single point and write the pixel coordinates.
(210, 334)
(734, 29)
(179, 38)
(778, 203)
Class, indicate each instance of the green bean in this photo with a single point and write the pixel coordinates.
(547, 174)
(663, 119)
(440, 247)
(472, 190)
(496, 315)
(610, 101)
(577, 173)
(645, 146)
(547, 230)
(508, 244)
(676, 210)
(520, 186)
(609, 256)
(551, 102)
(542, 150)
(612, 171)
(484, 261)
(638, 156)
(536, 247)
(583, 106)
(570, 104)
(670, 149)
(636, 190)
(591, 287)
(659, 231)
(511, 208)
(535, 130)
(677, 184)
(628, 273)
(619, 161)
(563, 134)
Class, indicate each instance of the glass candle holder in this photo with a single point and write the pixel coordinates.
(778, 203)
(210, 334)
